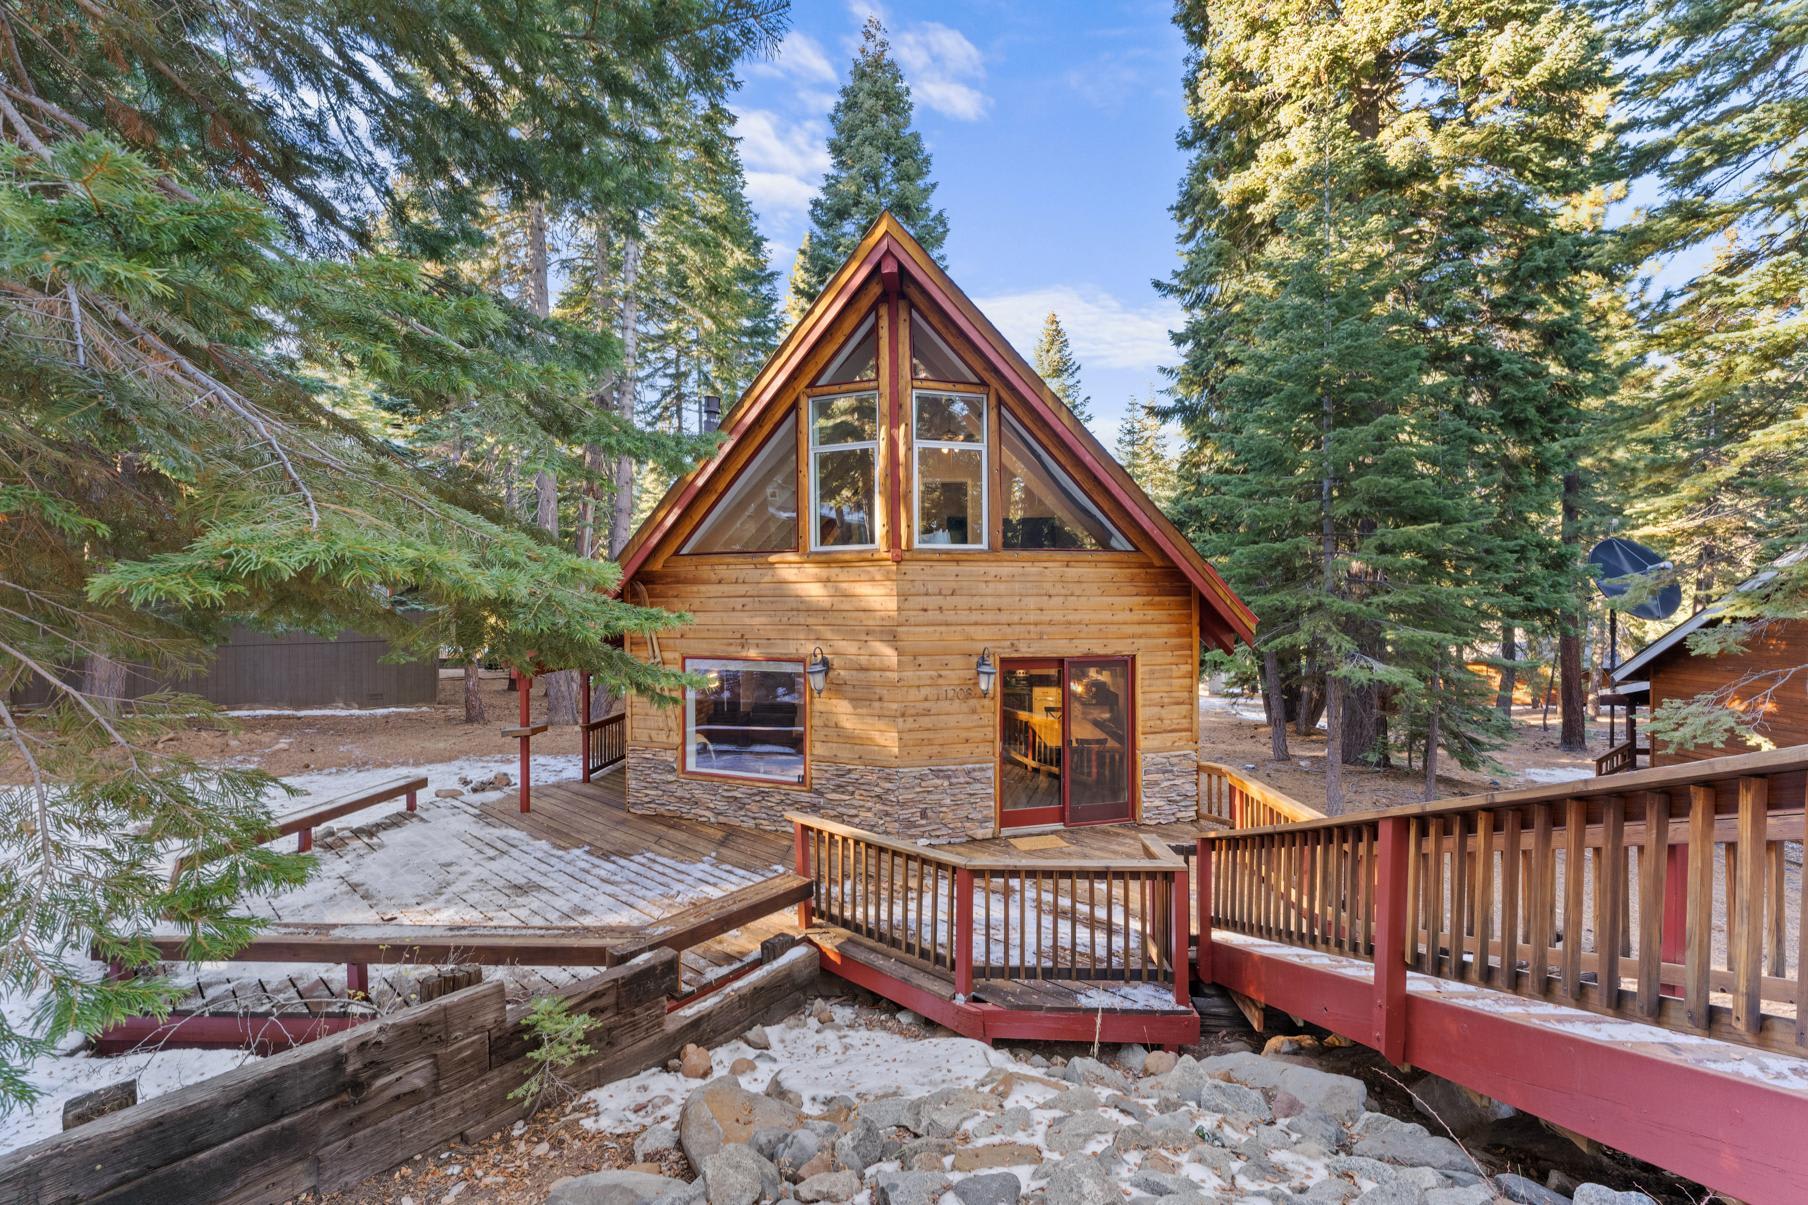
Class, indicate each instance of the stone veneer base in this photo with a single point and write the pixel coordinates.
(936, 803)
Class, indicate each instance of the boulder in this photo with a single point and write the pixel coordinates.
(941, 1112)
(735, 1175)
(1002, 1154)
(1232, 1100)
(1073, 1100)
(1080, 1180)
(1527, 1192)
(1131, 1056)
(612, 1188)
(1316, 1125)
(889, 1112)
(860, 1147)
(694, 1062)
(742, 1067)
(1071, 1134)
(1392, 1194)
(757, 1038)
(994, 1188)
(1094, 1074)
(909, 1188)
(1407, 1144)
(1600, 1194)
(1471, 1194)
(1161, 1184)
(796, 1150)
(829, 1186)
(1329, 1191)
(722, 1113)
(655, 1141)
(1013, 1120)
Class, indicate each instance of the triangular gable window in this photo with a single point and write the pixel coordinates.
(759, 511)
(931, 359)
(1043, 506)
(858, 359)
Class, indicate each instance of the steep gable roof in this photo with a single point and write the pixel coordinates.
(888, 250)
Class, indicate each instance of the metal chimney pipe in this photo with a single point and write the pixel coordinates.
(712, 411)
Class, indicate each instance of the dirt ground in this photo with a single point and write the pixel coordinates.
(297, 744)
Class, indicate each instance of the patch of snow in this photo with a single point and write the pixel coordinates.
(1243, 707)
(1555, 774)
(63, 1076)
(259, 713)
(1142, 995)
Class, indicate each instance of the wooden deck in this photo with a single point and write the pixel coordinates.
(1086, 841)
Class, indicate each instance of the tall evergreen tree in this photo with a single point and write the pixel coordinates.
(1142, 448)
(876, 162)
(241, 366)
(1058, 365)
(1383, 284)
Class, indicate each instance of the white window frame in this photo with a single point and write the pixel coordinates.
(870, 446)
(743, 665)
(983, 446)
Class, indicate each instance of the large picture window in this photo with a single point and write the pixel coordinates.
(759, 511)
(748, 721)
(844, 470)
(949, 438)
(1043, 506)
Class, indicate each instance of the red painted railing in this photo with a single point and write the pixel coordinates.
(605, 743)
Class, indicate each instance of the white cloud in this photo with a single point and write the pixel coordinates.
(784, 159)
(800, 57)
(1105, 332)
(943, 69)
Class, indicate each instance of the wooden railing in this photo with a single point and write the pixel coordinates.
(1225, 794)
(605, 743)
(1080, 919)
(1661, 895)
(301, 825)
(1617, 760)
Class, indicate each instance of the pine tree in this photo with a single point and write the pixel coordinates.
(1059, 367)
(798, 295)
(876, 162)
(1386, 304)
(247, 380)
(1142, 448)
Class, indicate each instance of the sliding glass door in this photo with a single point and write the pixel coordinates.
(1065, 741)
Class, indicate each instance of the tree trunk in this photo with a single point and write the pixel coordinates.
(1363, 726)
(474, 713)
(561, 685)
(1509, 672)
(1431, 739)
(104, 682)
(1572, 735)
(539, 274)
(1277, 705)
(603, 313)
(621, 513)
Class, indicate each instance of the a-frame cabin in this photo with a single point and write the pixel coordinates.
(1004, 630)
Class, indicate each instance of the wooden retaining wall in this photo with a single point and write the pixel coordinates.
(328, 1114)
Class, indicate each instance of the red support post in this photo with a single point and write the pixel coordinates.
(304, 840)
(1388, 1017)
(411, 800)
(584, 728)
(524, 697)
(357, 979)
(963, 935)
(1202, 869)
(1183, 996)
(800, 843)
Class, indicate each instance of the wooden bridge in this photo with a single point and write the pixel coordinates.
(1623, 957)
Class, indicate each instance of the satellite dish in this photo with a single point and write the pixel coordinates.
(1617, 561)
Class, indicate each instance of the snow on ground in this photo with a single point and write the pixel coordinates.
(249, 713)
(1555, 774)
(1244, 707)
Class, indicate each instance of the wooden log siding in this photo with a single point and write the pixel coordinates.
(324, 1116)
(1655, 895)
(1122, 920)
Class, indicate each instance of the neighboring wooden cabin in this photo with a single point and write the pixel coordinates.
(953, 514)
(1666, 669)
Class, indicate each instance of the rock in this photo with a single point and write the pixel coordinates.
(1392, 1194)
(888, 1112)
(1472, 1194)
(722, 1112)
(1600, 1194)
(860, 1147)
(653, 1142)
(741, 1067)
(1526, 1192)
(1455, 1106)
(694, 1062)
(796, 1151)
(994, 1188)
(1161, 1184)
(1131, 1057)
(612, 1188)
(909, 1188)
(1408, 1144)
(1013, 1120)
(1074, 1100)
(829, 1186)
(823, 1013)
(1080, 1180)
(735, 1175)
(766, 1140)
(1331, 1192)
(1123, 1104)
(777, 1091)
(1159, 1062)
(824, 1162)
(1316, 1125)
(941, 1112)
(1231, 1099)
(757, 1038)
(1094, 1074)
(1071, 1134)
(939, 1147)
(447, 793)
(906, 1017)
(1003, 1154)
(1289, 1044)
(1425, 1179)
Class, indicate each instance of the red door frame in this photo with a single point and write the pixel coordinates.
(1062, 813)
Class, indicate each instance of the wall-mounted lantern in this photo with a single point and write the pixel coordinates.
(817, 671)
(987, 670)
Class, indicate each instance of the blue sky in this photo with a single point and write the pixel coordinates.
(1052, 129)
